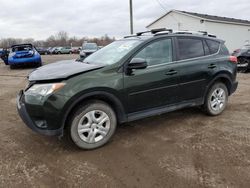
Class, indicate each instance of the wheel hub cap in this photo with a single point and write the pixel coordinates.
(94, 126)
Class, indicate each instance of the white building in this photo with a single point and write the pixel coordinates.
(235, 32)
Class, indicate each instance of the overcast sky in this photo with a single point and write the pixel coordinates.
(41, 18)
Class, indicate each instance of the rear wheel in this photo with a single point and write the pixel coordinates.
(38, 64)
(12, 66)
(216, 99)
(93, 125)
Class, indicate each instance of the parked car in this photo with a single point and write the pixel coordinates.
(4, 55)
(243, 55)
(54, 50)
(42, 51)
(88, 49)
(63, 50)
(23, 54)
(76, 50)
(132, 78)
(49, 50)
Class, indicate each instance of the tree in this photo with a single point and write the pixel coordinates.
(62, 38)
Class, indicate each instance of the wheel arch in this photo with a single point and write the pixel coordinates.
(104, 96)
(221, 77)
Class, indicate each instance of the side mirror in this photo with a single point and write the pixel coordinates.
(137, 63)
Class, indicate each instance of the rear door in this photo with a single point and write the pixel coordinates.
(197, 58)
(157, 85)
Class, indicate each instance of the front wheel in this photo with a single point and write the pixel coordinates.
(93, 125)
(216, 99)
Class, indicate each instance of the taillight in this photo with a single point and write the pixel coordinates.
(233, 59)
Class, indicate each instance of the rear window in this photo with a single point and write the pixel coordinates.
(213, 46)
(190, 48)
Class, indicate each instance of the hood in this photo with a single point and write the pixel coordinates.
(89, 51)
(61, 70)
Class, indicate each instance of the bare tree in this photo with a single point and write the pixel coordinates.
(60, 39)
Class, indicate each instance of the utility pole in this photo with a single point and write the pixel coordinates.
(131, 17)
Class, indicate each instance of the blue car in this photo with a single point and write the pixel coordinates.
(24, 54)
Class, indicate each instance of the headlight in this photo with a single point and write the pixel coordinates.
(44, 89)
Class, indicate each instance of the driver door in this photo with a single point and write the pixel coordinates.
(157, 85)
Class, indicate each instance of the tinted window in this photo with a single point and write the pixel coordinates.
(224, 50)
(157, 52)
(213, 46)
(190, 48)
(207, 51)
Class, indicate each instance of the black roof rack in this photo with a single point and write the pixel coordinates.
(153, 31)
(164, 31)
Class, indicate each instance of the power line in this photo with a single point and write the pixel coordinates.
(161, 5)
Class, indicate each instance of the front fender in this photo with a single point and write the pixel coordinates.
(109, 97)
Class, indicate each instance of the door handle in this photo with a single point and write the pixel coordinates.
(171, 72)
(212, 66)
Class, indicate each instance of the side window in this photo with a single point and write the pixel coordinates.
(190, 48)
(213, 46)
(157, 52)
(224, 50)
(207, 51)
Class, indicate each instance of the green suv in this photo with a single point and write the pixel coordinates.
(136, 77)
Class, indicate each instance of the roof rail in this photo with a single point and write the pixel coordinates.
(153, 31)
(164, 31)
(205, 33)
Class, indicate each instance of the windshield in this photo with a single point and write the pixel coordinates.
(112, 53)
(89, 46)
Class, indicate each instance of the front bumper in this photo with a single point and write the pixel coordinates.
(21, 108)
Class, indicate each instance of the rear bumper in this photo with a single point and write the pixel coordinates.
(234, 87)
(21, 108)
(16, 61)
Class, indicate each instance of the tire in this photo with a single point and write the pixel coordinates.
(92, 125)
(12, 66)
(38, 65)
(216, 99)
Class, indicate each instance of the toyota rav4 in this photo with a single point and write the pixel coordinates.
(142, 75)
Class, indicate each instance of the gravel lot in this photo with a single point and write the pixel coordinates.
(180, 149)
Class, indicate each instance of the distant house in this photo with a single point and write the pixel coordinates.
(235, 32)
